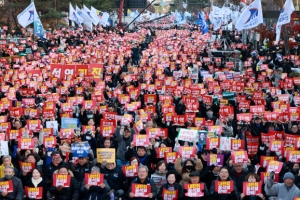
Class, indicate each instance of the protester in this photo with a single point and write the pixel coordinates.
(251, 178)
(37, 181)
(18, 191)
(286, 190)
(171, 185)
(195, 179)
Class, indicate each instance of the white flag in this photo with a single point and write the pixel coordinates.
(74, 16)
(27, 16)
(86, 19)
(284, 17)
(95, 19)
(184, 5)
(251, 17)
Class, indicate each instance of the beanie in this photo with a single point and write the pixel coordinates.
(289, 175)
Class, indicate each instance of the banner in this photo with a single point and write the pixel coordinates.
(6, 186)
(239, 157)
(194, 190)
(130, 170)
(252, 188)
(215, 159)
(34, 192)
(80, 149)
(93, 179)
(140, 190)
(251, 17)
(187, 135)
(61, 180)
(106, 154)
(26, 166)
(224, 187)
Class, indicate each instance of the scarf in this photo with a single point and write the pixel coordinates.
(35, 182)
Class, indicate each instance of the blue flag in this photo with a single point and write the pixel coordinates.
(202, 23)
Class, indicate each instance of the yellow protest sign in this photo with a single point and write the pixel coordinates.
(106, 154)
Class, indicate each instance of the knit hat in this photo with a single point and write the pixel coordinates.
(289, 175)
(194, 174)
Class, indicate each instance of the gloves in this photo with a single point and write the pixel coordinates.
(272, 175)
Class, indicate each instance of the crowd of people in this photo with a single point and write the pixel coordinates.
(166, 103)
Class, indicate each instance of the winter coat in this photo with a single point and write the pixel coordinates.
(146, 160)
(234, 195)
(185, 176)
(67, 193)
(18, 191)
(81, 170)
(148, 181)
(176, 186)
(281, 191)
(123, 144)
(95, 192)
(239, 180)
(113, 177)
(42, 184)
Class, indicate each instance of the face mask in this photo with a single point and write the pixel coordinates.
(88, 137)
(278, 153)
(296, 170)
(77, 114)
(189, 167)
(8, 177)
(89, 116)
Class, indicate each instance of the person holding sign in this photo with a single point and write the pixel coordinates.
(252, 178)
(37, 181)
(95, 192)
(61, 192)
(231, 191)
(18, 190)
(171, 189)
(142, 179)
(238, 173)
(141, 154)
(286, 190)
(195, 179)
(189, 166)
(6, 162)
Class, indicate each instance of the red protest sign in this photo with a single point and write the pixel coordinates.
(170, 194)
(252, 188)
(293, 156)
(93, 179)
(66, 133)
(107, 131)
(26, 143)
(160, 152)
(265, 176)
(246, 117)
(130, 170)
(34, 192)
(6, 186)
(239, 157)
(61, 180)
(212, 143)
(26, 166)
(150, 98)
(266, 138)
(237, 144)
(140, 190)
(49, 142)
(14, 134)
(194, 190)
(224, 187)
(187, 152)
(274, 166)
(265, 159)
(140, 140)
(276, 146)
(170, 157)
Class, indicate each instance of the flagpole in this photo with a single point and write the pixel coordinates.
(32, 1)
